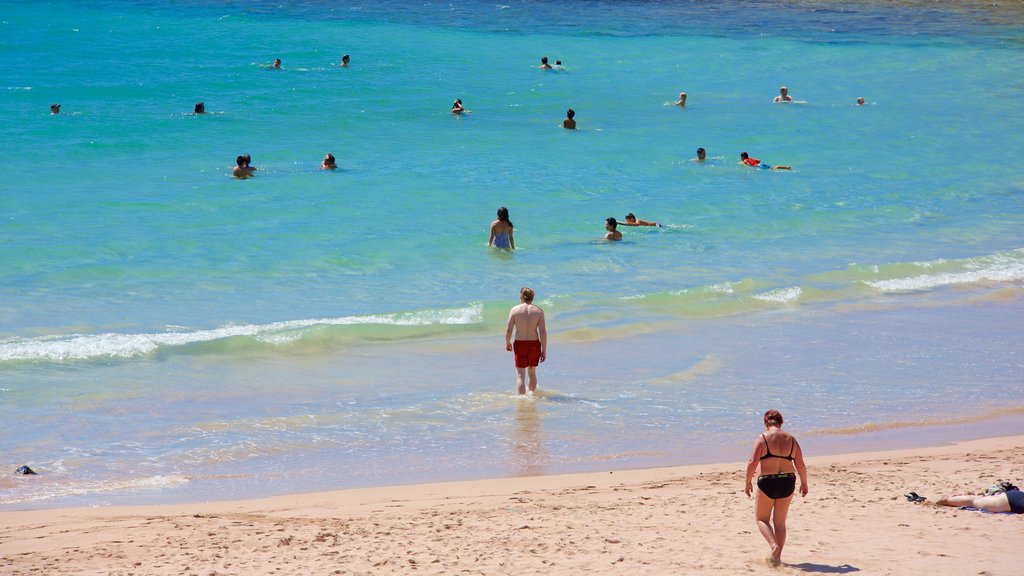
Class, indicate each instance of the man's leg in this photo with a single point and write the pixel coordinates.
(521, 380)
(533, 378)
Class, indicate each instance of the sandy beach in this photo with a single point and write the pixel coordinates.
(685, 520)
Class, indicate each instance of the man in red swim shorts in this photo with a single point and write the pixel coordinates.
(531, 345)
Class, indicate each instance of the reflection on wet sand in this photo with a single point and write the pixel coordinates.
(528, 453)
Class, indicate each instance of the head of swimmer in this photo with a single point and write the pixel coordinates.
(503, 215)
(701, 154)
(54, 108)
(200, 108)
(526, 294)
(783, 90)
(277, 62)
(570, 113)
(630, 218)
(744, 155)
(611, 224)
(772, 418)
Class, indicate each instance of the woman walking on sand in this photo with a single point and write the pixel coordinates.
(780, 459)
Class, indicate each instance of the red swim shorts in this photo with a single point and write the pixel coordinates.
(527, 353)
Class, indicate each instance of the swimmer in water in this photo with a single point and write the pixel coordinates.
(611, 226)
(632, 221)
(501, 231)
(277, 63)
(569, 123)
(344, 61)
(860, 101)
(682, 100)
(746, 160)
(457, 107)
(328, 163)
(242, 170)
(200, 108)
(544, 63)
(55, 109)
(558, 65)
(783, 96)
(702, 155)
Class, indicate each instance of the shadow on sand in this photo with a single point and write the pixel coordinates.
(824, 568)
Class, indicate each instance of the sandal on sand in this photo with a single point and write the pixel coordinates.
(914, 497)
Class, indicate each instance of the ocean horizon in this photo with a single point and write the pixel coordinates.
(171, 334)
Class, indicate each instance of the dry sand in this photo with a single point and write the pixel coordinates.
(688, 520)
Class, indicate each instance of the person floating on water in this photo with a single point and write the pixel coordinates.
(55, 109)
(611, 225)
(329, 162)
(746, 160)
(200, 108)
(457, 107)
(783, 96)
(531, 344)
(544, 63)
(702, 155)
(501, 231)
(632, 221)
(344, 61)
(277, 64)
(682, 100)
(777, 481)
(558, 65)
(569, 123)
(860, 100)
(242, 170)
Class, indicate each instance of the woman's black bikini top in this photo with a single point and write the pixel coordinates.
(769, 451)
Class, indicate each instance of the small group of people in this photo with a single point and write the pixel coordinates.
(785, 98)
(243, 168)
(545, 66)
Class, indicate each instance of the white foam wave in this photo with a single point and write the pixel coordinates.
(998, 268)
(780, 296)
(81, 488)
(115, 345)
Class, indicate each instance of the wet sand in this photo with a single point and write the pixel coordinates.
(684, 520)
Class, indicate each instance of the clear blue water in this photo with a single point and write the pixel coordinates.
(168, 333)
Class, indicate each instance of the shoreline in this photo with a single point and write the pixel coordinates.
(688, 519)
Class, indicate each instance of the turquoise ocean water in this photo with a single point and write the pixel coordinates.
(168, 333)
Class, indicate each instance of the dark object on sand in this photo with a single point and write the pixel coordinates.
(25, 470)
(913, 497)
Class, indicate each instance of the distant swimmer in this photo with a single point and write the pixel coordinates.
(344, 61)
(632, 221)
(277, 64)
(544, 63)
(569, 123)
(200, 108)
(328, 163)
(501, 231)
(682, 100)
(531, 344)
(242, 170)
(558, 65)
(457, 107)
(612, 227)
(746, 160)
(860, 101)
(55, 109)
(702, 155)
(783, 96)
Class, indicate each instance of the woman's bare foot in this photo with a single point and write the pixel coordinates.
(776, 558)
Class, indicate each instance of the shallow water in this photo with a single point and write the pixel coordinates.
(169, 333)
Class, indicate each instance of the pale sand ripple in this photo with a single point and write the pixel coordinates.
(691, 520)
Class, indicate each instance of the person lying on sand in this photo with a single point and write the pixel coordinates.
(1011, 499)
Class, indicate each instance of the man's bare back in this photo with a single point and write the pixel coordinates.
(528, 321)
